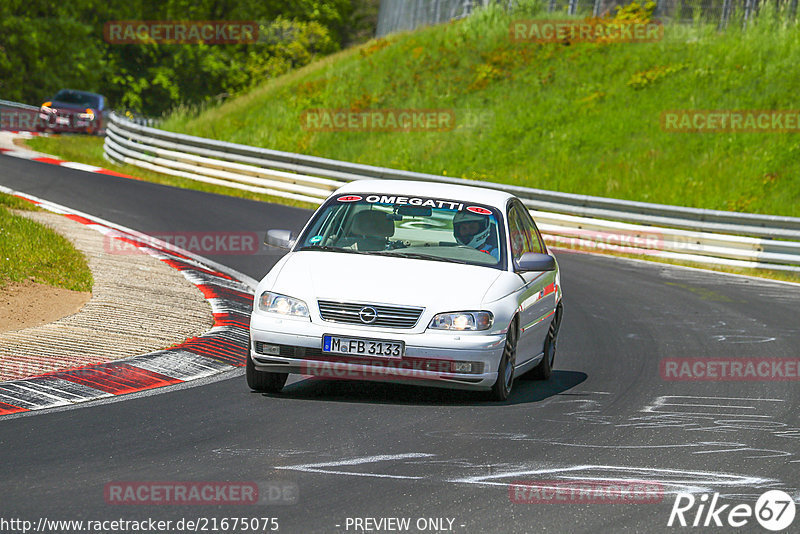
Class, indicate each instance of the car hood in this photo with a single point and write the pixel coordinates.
(55, 104)
(383, 280)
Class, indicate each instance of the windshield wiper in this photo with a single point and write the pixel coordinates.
(410, 255)
(416, 256)
(326, 248)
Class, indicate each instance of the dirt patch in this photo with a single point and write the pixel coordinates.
(20, 142)
(26, 304)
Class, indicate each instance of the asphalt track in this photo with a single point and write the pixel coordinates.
(357, 450)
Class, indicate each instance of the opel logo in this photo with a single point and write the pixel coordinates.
(368, 315)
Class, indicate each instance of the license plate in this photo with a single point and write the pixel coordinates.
(375, 348)
(62, 120)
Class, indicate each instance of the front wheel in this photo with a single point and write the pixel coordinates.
(505, 371)
(545, 367)
(263, 381)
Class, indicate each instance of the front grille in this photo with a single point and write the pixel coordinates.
(387, 316)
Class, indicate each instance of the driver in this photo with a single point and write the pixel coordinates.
(473, 230)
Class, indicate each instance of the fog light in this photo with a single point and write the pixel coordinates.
(461, 367)
(270, 350)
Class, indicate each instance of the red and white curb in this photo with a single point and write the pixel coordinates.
(26, 134)
(223, 348)
(44, 158)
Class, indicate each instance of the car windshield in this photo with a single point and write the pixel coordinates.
(409, 227)
(78, 98)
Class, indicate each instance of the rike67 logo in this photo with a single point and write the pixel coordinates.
(774, 510)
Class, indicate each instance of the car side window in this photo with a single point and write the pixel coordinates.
(519, 243)
(530, 230)
(525, 236)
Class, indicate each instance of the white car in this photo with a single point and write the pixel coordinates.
(431, 284)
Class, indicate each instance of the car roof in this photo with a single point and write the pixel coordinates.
(78, 91)
(461, 193)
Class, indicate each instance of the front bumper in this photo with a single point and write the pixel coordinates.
(67, 122)
(427, 361)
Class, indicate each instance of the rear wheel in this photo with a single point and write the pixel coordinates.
(263, 381)
(505, 371)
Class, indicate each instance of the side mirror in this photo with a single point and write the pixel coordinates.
(534, 261)
(279, 238)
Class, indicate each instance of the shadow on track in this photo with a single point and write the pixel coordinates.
(525, 392)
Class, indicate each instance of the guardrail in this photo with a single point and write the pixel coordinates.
(18, 117)
(638, 228)
(9, 104)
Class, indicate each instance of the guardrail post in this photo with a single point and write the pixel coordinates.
(748, 10)
(726, 13)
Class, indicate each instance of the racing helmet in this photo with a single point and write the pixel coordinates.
(475, 239)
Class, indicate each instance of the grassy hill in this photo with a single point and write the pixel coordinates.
(573, 117)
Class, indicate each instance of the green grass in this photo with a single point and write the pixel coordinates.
(89, 149)
(29, 249)
(16, 203)
(580, 118)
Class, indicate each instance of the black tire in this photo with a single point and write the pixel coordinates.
(544, 370)
(263, 381)
(505, 371)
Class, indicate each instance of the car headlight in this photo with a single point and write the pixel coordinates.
(281, 304)
(89, 115)
(481, 320)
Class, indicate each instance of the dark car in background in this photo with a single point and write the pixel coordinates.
(73, 112)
